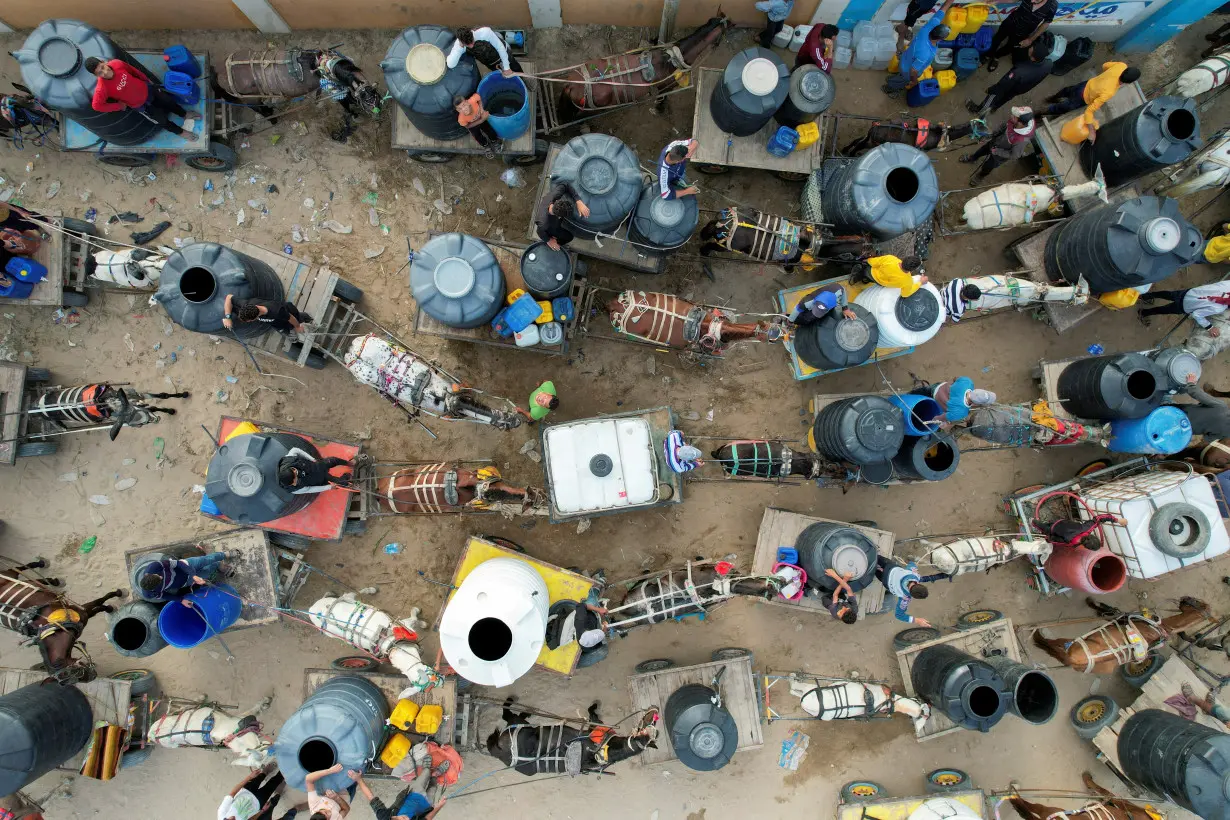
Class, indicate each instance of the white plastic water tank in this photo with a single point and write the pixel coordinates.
(494, 626)
(881, 302)
(782, 38)
(597, 465)
(800, 34)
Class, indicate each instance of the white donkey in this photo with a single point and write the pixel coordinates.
(849, 699)
(1000, 291)
(1017, 203)
(208, 726)
(375, 632)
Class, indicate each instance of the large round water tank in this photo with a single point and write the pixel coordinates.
(1122, 245)
(242, 479)
(418, 79)
(903, 321)
(754, 85)
(341, 722)
(703, 735)
(890, 190)
(927, 458)
(859, 430)
(827, 545)
(1104, 388)
(664, 223)
(547, 273)
(606, 176)
(1161, 132)
(41, 726)
(197, 279)
(1186, 761)
(836, 342)
(967, 690)
(811, 92)
(457, 280)
(52, 64)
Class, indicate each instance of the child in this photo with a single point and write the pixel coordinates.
(473, 117)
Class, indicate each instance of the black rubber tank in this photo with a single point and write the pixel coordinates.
(606, 176)
(341, 722)
(133, 629)
(41, 726)
(754, 85)
(52, 61)
(703, 735)
(859, 430)
(195, 283)
(1122, 245)
(1104, 388)
(828, 545)
(1078, 52)
(1187, 762)
(242, 479)
(547, 273)
(927, 458)
(890, 190)
(423, 86)
(967, 690)
(811, 92)
(1163, 131)
(664, 223)
(456, 279)
(834, 342)
(1035, 698)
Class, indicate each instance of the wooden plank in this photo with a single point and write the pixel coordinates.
(739, 697)
(109, 700)
(12, 397)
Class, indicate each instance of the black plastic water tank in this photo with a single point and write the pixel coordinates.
(1078, 52)
(52, 61)
(1035, 698)
(703, 735)
(343, 722)
(811, 92)
(859, 430)
(827, 545)
(418, 79)
(927, 458)
(133, 629)
(1120, 386)
(890, 190)
(457, 280)
(1184, 761)
(242, 479)
(41, 726)
(967, 690)
(754, 85)
(196, 280)
(547, 272)
(1122, 245)
(1161, 132)
(664, 223)
(835, 342)
(606, 176)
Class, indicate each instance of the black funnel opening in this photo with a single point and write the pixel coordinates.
(1141, 384)
(940, 456)
(983, 702)
(1037, 699)
(901, 184)
(1180, 124)
(317, 754)
(490, 639)
(198, 285)
(129, 633)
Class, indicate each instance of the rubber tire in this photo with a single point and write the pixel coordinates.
(314, 361)
(1165, 542)
(351, 663)
(1087, 729)
(792, 176)
(290, 541)
(914, 636)
(865, 522)
(1093, 467)
(347, 292)
(221, 159)
(72, 298)
(143, 681)
(436, 158)
(36, 449)
(593, 656)
(934, 787)
(966, 620)
(506, 543)
(654, 665)
(1137, 679)
(79, 226)
(728, 653)
(712, 168)
(127, 160)
(848, 795)
(538, 157)
(135, 757)
(37, 374)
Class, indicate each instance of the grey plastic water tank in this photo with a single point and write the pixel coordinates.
(1161, 132)
(811, 92)
(606, 176)
(664, 223)
(242, 479)
(341, 722)
(196, 280)
(52, 64)
(754, 85)
(41, 726)
(457, 280)
(547, 273)
(703, 735)
(890, 190)
(418, 79)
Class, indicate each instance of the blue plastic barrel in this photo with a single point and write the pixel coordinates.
(982, 39)
(180, 59)
(923, 93)
(783, 141)
(922, 413)
(508, 103)
(26, 270)
(966, 62)
(183, 87)
(1163, 432)
(214, 609)
(16, 289)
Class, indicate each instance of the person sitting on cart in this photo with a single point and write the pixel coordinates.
(818, 48)
(1008, 142)
(542, 401)
(819, 303)
(554, 212)
(1093, 94)
(672, 163)
(1070, 532)
(956, 398)
(680, 456)
(331, 805)
(474, 118)
(956, 296)
(171, 577)
(493, 52)
(902, 580)
(890, 272)
(301, 473)
(842, 603)
(283, 316)
(120, 86)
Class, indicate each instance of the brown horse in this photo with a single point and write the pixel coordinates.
(31, 608)
(443, 487)
(1208, 457)
(668, 596)
(1126, 638)
(663, 319)
(920, 133)
(1109, 807)
(629, 78)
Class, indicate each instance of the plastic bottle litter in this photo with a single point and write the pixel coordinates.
(1096, 350)
(392, 549)
(240, 217)
(100, 500)
(336, 227)
(125, 484)
(209, 185)
(296, 233)
(91, 215)
(160, 445)
(53, 189)
(174, 357)
(288, 249)
(513, 178)
(88, 544)
(373, 217)
(232, 379)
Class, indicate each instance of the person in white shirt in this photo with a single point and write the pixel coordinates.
(1199, 302)
(253, 798)
(494, 54)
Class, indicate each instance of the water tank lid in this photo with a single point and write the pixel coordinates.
(814, 85)
(597, 175)
(760, 76)
(849, 558)
(876, 473)
(544, 265)
(454, 277)
(601, 465)
(1161, 234)
(852, 335)
(877, 428)
(919, 311)
(706, 740)
(245, 480)
(1181, 365)
(667, 212)
(59, 56)
(425, 64)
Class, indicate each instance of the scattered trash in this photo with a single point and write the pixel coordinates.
(392, 549)
(141, 237)
(530, 451)
(157, 345)
(513, 178)
(160, 445)
(7, 194)
(1096, 349)
(68, 478)
(128, 343)
(794, 749)
(369, 591)
(151, 176)
(583, 526)
(417, 184)
(372, 253)
(272, 189)
(91, 215)
(232, 379)
(442, 206)
(240, 217)
(373, 217)
(296, 233)
(168, 329)
(299, 128)
(384, 229)
(53, 189)
(209, 185)
(125, 484)
(66, 317)
(309, 203)
(651, 366)
(370, 198)
(100, 500)
(480, 212)
(89, 543)
(126, 216)
(988, 368)
(336, 227)
(256, 204)
(85, 195)
(245, 144)
(198, 489)
(221, 397)
(288, 249)
(128, 461)
(692, 415)
(174, 358)
(273, 140)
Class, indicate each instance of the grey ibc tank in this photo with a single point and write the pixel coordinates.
(1104, 388)
(664, 223)
(1184, 761)
(890, 190)
(1122, 245)
(827, 545)
(754, 85)
(1161, 132)
(547, 273)
(703, 735)
(242, 479)
(41, 726)
(606, 175)
(418, 79)
(341, 722)
(811, 92)
(859, 430)
(835, 342)
(967, 690)
(197, 279)
(457, 280)
(52, 64)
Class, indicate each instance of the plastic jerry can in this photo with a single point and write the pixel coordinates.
(841, 57)
(976, 15)
(183, 87)
(546, 315)
(894, 65)
(16, 289)
(982, 39)
(403, 715)
(500, 324)
(783, 141)
(244, 428)
(782, 38)
(552, 333)
(800, 34)
(429, 719)
(928, 74)
(809, 134)
(967, 62)
(943, 58)
(964, 41)
(947, 80)
(561, 306)
(955, 19)
(862, 31)
(179, 58)
(26, 270)
(923, 93)
(396, 749)
(523, 312)
(515, 295)
(528, 337)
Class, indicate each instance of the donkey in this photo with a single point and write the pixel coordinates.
(664, 319)
(563, 748)
(1109, 807)
(920, 133)
(210, 727)
(768, 460)
(682, 591)
(94, 405)
(856, 700)
(443, 487)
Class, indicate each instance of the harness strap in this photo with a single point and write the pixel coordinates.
(1215, 445)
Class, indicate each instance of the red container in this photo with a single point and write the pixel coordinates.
(1097, 572)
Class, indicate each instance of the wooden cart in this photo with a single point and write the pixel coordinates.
(64, 255)
(902, 808)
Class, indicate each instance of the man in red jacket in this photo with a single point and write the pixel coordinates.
(121, 86)
(818, 48)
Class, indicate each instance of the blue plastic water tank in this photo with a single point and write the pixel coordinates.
(508, 102)
(966, 62)
(1163, 432)
(923, 93)
(457, 280)
(423, 85)
(341, 722)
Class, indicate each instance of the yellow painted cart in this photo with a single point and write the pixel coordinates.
(900, 808)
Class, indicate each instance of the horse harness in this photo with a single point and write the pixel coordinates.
(669, 593)
(205, 731)
(351, 628)
(16, 616)
(623, 67)
(844, 708)
(429, 485)
(667, 316)
(1133, 648)
(1213, 445)
(774, 239)
(552, 754)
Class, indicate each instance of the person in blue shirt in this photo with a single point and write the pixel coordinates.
(777, 11)
(672, 163)
(917, 58)
(903, 581)
(956, 398)
(172, 577)
(819, 303)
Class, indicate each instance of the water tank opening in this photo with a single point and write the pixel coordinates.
(939, 457)
(1185, 530)
(129, 634)
(1180, 124)
(1108, 573)
(198, 285)
(901, 184)
(506, 103)
(490, 639)
(316, 755)
(1037, 699)
(1141, 384)
(983, 702)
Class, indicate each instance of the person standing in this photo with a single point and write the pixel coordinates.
(1020, 80)
(473, 117)
(890, 272)
(777, 11)
(487, 47)
(556, 208)
(957, 296)
(1199, 302)
(920, 53)
(903, 581)
(1008, 142)
(255, 796)
(1093, 94)
(1020, 29)
(170, 577)
(818, 48)
(284, 317)
(672, 164)
(120, 87)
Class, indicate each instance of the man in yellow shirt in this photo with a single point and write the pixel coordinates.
(890, 272)
(1092, 94)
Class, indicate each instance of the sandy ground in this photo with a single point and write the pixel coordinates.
(750, 394)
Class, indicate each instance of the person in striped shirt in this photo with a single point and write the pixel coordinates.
(672, 163)
(680, 457)
(957, 295)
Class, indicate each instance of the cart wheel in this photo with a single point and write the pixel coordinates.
(1093, 714)
(74, 298)
(354, 526)
(729, 653)
(430, 157)
(37, 374)
(865, 523)
(36, 449)
(1135, 673)
(79, 226)
(539, 155)
(220, 159)
(978, 617)
(861, 791)
(655, 665)
(355, 663)
(1093, 467)
(315, 361)
(589, 657)
(347, 292)
(135, 757)
(914, 635)
(942, 781)
(792, 176)
(289, 541)
(126, 160)
(142, 680)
